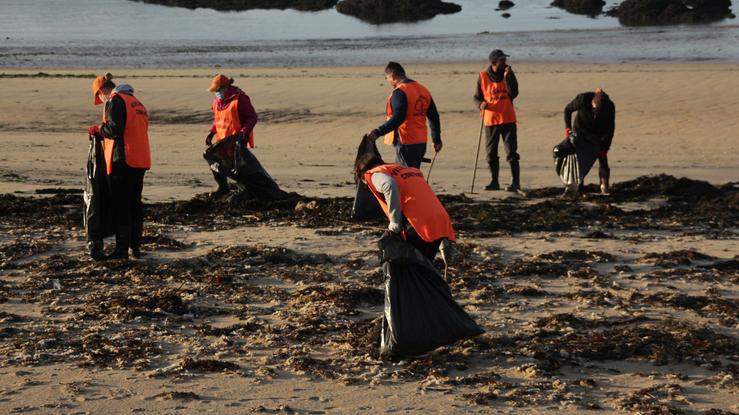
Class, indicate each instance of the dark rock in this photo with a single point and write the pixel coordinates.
(505, 15)
(230, 5)
(505, 4)
(391, 11)
(590, 8)
(670, 12)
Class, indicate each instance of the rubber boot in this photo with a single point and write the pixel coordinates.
(604, 173)
(494, 169)
(515, 177)
(122, 242)
(95, 249)
(137, 233)
(222, 185)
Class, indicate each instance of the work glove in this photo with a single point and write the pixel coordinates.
(94, 130)
(438, 146)
(209, 139)
(483, 105)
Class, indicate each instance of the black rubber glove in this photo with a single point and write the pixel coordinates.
(209, 139)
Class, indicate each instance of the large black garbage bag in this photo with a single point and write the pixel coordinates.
(365, 205)
(98, 216)
(573, 159)
(244, 168)
(420, 313)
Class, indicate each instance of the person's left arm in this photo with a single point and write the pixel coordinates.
(610, 129)
(247, 115)
(512, 84)
(435, 125)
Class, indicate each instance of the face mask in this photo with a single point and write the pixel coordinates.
(221, 93)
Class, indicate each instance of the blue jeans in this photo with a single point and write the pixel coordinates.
(410, 155)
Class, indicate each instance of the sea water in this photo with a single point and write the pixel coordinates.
(124, 33)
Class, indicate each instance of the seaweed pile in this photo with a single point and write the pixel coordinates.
(558, 322)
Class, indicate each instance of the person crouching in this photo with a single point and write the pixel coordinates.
(415, 213)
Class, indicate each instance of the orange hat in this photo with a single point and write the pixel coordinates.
(97, 84)
(220, 81)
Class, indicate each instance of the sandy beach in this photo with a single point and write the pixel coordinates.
(627, 304)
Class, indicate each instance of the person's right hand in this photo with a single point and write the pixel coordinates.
(568, 132)
(209, 139)
(483, 105)
(94, 130)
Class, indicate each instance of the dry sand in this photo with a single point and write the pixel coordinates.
(518, 284)
(675, 119)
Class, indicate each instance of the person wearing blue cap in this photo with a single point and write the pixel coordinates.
(497, 87)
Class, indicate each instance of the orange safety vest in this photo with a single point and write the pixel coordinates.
(417, 201)
(227, 121)
(413, 130)
(135, 136)
(499, 109)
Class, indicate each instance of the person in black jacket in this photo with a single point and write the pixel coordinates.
(124, 132)
(595, 122)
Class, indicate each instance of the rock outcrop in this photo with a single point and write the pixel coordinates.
(391, 11)
(587, 7)
(670, 12)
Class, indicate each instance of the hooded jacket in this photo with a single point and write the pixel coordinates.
(596, 126)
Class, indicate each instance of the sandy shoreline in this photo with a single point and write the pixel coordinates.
(676, 119)
(628, 304)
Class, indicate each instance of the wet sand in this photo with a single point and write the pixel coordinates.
(627, 303)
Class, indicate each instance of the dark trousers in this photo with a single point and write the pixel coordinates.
(410, 155)
(126, 185)
(428, 249)
(493, 134)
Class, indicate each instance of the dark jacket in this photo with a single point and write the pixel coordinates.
(113, 127)
(596, 126)
(399, 105)
(511, 85)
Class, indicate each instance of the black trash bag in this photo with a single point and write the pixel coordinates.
(420, 313)
(366, 206)
(573, 159)
(244, 168)
(98, 215)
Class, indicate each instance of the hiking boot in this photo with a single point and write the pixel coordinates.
(515, 185)
(122, 242)
(221, 191)
(222, 185)
(493, 186)
(494, 167)
(95, 249)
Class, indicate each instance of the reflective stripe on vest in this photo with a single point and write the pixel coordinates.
(418, 202)
(413, 130)
(135, 136)
(499, 109)
(227, 121)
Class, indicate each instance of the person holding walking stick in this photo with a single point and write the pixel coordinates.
(497, 87)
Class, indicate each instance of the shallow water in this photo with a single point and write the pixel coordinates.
(122, 33)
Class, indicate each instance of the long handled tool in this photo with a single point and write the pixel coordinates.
(431, 167)
(477, 156)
